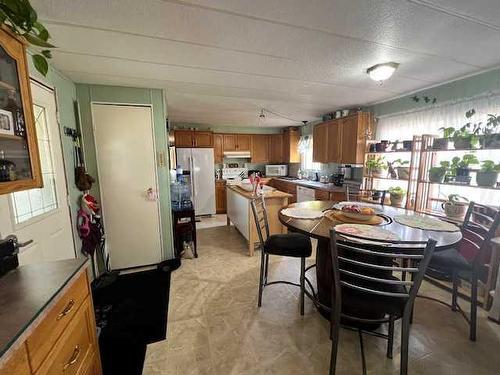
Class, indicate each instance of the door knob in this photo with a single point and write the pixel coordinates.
(151, 194)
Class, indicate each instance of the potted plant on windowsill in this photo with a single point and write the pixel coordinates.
(460, 169)
(490, 133)
(403, 169)
(396, 195)
(455, 206)
(488, 175)
(376, 166)
(436, 174)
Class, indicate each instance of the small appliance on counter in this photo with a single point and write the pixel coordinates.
(276, 170)
(234, 175)
(337, 179)
(8, 254)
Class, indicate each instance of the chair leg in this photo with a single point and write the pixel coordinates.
(454, 293)
(261, 279)
(302, 283)
(266, 269)
(405, 337)
(390, 341)
(473, 309)
(334, 335)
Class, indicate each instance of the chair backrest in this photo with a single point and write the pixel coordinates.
(357, 195)
(479, 227)
(377, 267)
(260, 216)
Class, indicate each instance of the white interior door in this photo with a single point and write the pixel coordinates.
(127, 169)
(42, 215)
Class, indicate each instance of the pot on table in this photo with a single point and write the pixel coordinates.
(454, 210)
(396, 199)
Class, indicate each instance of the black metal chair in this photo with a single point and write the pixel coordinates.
(479, 227)
(360, 195)
(369, 289)
(290, 245)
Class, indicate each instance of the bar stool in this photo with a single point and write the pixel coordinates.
(293, 245)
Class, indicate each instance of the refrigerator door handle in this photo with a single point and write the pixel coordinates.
(191, 166)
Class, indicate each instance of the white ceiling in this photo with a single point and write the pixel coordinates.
(220, 61)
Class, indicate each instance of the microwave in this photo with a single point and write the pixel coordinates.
(276, 170)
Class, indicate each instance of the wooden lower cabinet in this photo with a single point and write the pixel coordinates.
(322, 195)
(64, 342)
(220, 197)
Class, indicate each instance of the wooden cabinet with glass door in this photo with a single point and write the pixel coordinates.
(19, 158)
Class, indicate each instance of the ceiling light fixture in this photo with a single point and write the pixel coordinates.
(381, 72)
(262, 116)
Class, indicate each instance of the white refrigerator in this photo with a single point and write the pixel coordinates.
(200, 163)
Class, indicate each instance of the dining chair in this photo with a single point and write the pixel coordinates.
(367, 196)
(368, 288)
(294, 245)
(479, 227)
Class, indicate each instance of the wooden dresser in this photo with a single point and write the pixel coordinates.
(60, 338)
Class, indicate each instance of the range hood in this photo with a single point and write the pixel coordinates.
(237, 154)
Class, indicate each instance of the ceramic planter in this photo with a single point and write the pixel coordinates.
(436, 175)
(396, 199)
(454, 210)
(403, 173)
(440, 144)
(407, 145)
(463, 143)
(377, 172)
(486, 179)
(491, 141)
(463, 175)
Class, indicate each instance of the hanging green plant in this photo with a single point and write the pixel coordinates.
(20, 17)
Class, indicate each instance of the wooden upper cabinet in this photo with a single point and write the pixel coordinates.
(218, 148)
(19, 157)
(183, 138)
(334, 152)
(203, 139)
(244, 142)
(320, 143)
(193, 138)
(276, 148)
(230, 142)
(291, 138)
(260, 148)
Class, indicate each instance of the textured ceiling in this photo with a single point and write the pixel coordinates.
(220, 61)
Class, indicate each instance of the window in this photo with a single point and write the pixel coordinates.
(29, 204)
(306, 154)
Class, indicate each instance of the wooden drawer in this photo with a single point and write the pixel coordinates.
(57, 319)
(17, 364)
(338, 196)
(93, 365)
(72, 351)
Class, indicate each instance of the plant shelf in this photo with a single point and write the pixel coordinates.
(11, 137)
(460, 185)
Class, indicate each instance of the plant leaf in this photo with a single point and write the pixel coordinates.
(35, 40)
(41, 64)
(47, 53)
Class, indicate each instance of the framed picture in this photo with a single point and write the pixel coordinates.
(6, 122)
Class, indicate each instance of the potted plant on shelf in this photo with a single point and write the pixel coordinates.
(396, 195)
(491, 132)
(442, 143)
(460, 169)
(436, 174)
(407, 145)
(376, 166)
(488, 175)
(403, 169)
(394, 146)
(455, 206)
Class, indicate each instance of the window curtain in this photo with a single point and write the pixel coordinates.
(402, 126)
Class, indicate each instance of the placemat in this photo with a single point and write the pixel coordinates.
(336, 215)
(370, 232)
(302, 213)
(426, 223)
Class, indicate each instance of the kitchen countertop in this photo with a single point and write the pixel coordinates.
(267, 195)
(315, 185)
(27, 291)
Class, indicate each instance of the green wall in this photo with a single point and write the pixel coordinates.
(463, 88)
(65, 91)
(87, 94)
(229, 129)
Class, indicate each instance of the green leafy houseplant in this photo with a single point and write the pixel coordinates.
(20, 18)
(436, 174)
(403, 169)
(488, 175)
(460, 168)
(376, 166)
(491, 132)
(455, 206)
(396, 195)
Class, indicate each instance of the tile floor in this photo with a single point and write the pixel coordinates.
(212, 221)
(215, 327)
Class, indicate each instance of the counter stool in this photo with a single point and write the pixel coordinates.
(290, 245)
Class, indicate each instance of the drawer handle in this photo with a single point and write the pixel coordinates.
(73, 359)
(66, 310)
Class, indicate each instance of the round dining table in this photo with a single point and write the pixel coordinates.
(320, 230)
